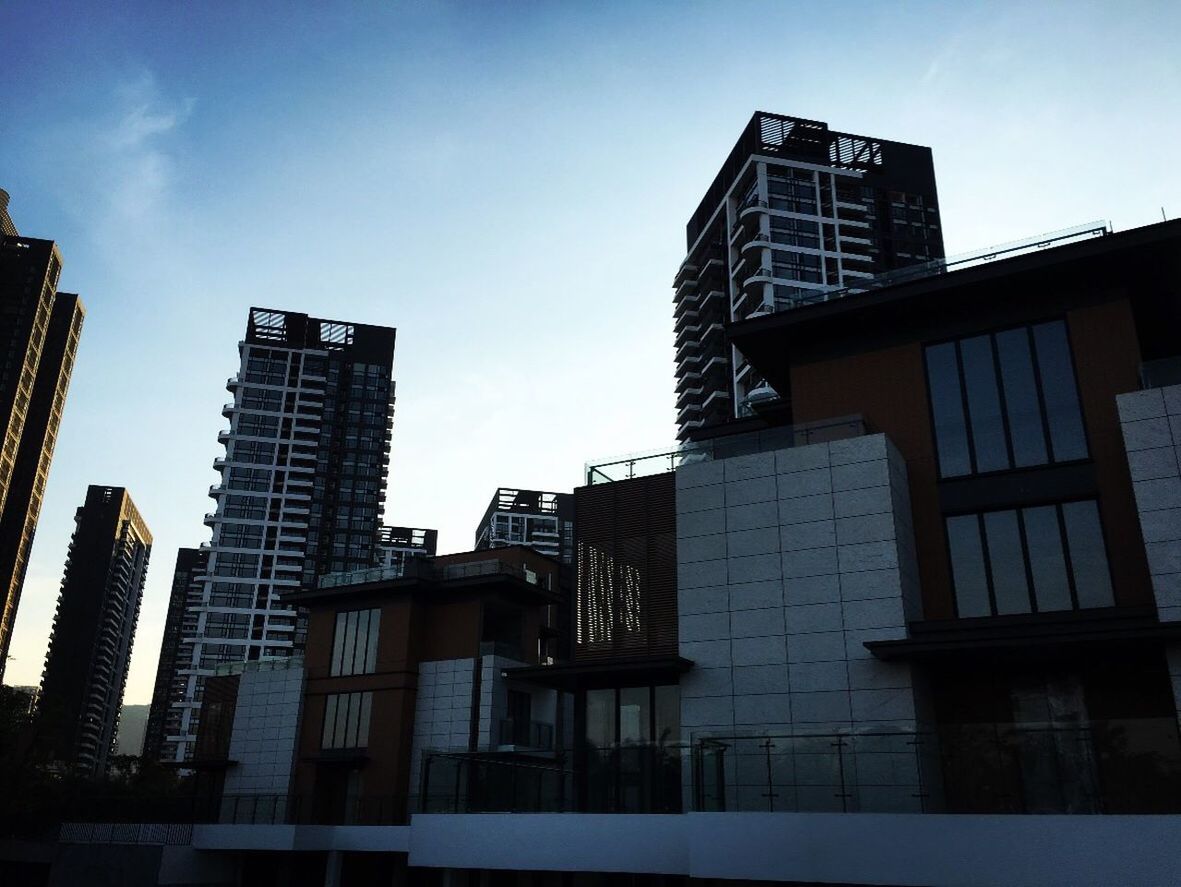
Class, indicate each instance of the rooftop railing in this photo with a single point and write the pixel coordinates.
(781, 437)
(935, 267)
(427, 568)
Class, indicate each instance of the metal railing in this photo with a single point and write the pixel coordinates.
(474, 783)
(777, 438)
(1116, 766)
(526, 734)
(935, 267)
(427, 568)
(628, 778)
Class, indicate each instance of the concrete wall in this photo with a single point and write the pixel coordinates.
(1151, 424)
(1070, 851)
(787, 563)
(266, 721)
(442, 711)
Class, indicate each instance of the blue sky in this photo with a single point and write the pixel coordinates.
(507, 184)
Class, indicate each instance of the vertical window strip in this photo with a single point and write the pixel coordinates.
(342, 719)
(353, 721)
(998, 413)
(1063, 414)
(371, 646)
(1037, 559)
(328, 734)
(362, 643)
(362, 739)
(1088, 554)
(338, 645)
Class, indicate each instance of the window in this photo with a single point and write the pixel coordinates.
(1029, 560)
(346, 720)
(1005, 400)
(354, 647)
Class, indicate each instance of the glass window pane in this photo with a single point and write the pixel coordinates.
(984, 404)
(600, 718)
(358, 664)
(1088, 554)
(668, 714)
(366, 713)
(338, 643)
(1043, 540)
(353, 723)
(634, 714)
(947, 409)
(1067, 439)
(967, 566)
(1006, 560)
(340, 733)
(326, 740)
(1026, 430)
(350, 642)
(371, 649)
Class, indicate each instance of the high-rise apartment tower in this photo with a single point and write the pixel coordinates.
(543, 521)
(90, 648)
(397, 545)
(39, 330)
(183, 603)
(301, 493)
(796, 212)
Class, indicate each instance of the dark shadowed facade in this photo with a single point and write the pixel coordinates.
(39, 330)
(90, 648)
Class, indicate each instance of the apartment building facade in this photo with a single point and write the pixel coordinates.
(930, 594)
(301, 491)
(544, 521)
(39, 330)
(397, 545)
(183, 600)
(93, 631)
(796, 212)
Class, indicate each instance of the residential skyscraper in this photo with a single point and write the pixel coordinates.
(90, 648)
(185, 597)
(18, 519)
(543, 521)
(797, 212)
(301, 493)
(7, 228)
(39, 331)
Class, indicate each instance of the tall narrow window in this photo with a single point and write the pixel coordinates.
(1062, 409)
(947, 407)
(1040, 559)
(967, 564)
(1084, 537)
(1021, 398)
(346, 720)
(1005, 400)
(354, 645)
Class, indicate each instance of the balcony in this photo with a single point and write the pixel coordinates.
(642, 778)
(1100, 767)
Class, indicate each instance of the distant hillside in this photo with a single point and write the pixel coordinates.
(132, 721)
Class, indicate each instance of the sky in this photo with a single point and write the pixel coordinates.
(505, 183)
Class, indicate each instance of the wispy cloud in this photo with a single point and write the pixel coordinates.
(943, 58)
(144, 113)
(135, 145)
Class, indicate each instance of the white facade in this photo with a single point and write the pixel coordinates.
(265, 728)
(260, 523)
(787, 563)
